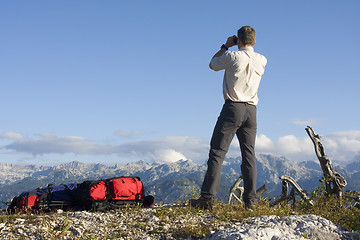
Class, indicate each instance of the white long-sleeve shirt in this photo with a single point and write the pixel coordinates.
(243, 71)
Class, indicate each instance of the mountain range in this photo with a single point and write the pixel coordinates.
(169, 182)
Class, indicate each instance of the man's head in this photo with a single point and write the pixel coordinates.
(247, 35)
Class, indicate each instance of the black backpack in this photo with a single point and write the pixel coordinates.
(51, 197)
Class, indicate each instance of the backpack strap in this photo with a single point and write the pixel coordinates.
(44, 197)
(31, 193)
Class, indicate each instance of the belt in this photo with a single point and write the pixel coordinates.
(228, 100)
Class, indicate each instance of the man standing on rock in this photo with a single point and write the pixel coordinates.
(243, 71)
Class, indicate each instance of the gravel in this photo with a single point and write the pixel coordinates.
(146, 224)
(285, 228)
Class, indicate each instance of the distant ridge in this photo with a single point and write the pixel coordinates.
(169, 182)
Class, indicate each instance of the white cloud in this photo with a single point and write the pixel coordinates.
(168, 149)
(166, 155)
(12, 136)
(126, 134)
(290, 146)
(342, 146)
(308, 122)
(50, 143)
(264, 143)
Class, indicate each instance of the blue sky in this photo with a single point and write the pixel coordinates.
(119, 81)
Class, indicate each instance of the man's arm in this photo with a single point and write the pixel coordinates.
(218, 54)
(229, 43)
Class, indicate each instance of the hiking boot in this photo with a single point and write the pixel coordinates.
(249, 206)
(202, 202)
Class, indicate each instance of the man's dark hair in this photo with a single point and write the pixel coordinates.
(247, 35)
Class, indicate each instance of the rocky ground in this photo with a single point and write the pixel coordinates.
(285, 228)
(165, 222)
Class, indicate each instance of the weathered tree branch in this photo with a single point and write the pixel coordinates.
(286, 196)
(236, 192)
(335, 183)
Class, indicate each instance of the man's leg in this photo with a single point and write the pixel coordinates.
(246, 136)
(223, 134)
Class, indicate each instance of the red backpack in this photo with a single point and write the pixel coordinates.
(112, 193)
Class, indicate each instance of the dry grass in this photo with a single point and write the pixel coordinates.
(181, 222)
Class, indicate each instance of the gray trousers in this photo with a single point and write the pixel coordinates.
(235, 118)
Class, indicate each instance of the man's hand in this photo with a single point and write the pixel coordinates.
(230, 42)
